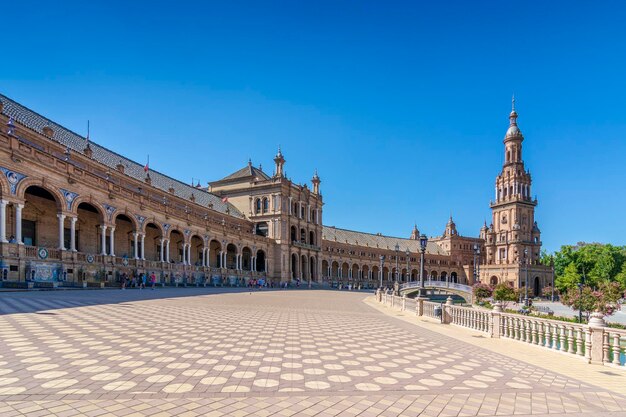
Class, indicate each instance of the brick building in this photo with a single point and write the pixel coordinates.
(73, 212)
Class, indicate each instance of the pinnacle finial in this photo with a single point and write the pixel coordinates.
(513, 103)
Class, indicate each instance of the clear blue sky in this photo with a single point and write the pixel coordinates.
(401, 106)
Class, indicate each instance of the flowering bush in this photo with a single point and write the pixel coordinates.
(481, 291)
(606, 299)
(547, 291)
(504, 293)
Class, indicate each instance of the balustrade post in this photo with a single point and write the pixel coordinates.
(496, 320)
(447, 311)
(420, 305)
(596, 327)
(617, 349)
(403, 302)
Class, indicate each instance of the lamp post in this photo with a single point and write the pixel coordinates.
(380, 273)
(552, 267)
(476, 263)
(397, 251)
(526, 284)
(423, 243)
(408, 271)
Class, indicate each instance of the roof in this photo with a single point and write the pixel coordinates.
(332, 233)
(246, 172)
(76, 143)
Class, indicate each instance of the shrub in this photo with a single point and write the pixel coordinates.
(504, 293)
(481, 291)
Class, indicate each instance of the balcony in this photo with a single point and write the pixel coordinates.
(305, 245)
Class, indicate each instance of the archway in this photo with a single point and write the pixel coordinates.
(537, 287)
(195, 248)
(304, 267)
(334, 272)
(124, 237)
(246, 259)
(294, 232)
(365, 273)
(386, 277)
(215, 249)
(493, 280)
(444, 276)
(344, 271)
(294, 266)
(313, 269)
(433, 275)
(414, 275)
(260, 261)
(231, 256)
(355, 272)
(376, 274)
(153, 242)
(453, 277)
(88, 230)
(325, 271)
(311, 237)
(40, 224)
(176, 246)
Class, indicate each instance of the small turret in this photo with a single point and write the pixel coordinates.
(280, 163)
(415, 234)
(450, 228)
(316, 183)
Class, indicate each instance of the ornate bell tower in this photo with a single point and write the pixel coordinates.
(513, 237)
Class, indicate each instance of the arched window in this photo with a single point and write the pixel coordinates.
(293, 234)
(302, 235)
(266, 205)
(312, 237)
(257, 206)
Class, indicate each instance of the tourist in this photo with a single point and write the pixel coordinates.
(152, 280)
(143, 281)
(12, 239)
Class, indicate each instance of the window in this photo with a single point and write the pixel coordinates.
(257, 206)
(266, 205)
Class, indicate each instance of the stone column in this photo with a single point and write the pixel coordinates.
(596, 327)
(61, 218)
(103, 235)
(203, 256)
(420, 305)
(167, 250)
(143, 246)
(3, 221)
(184, 258)
(188, 253)
(73, 233)
(112, 242)
(18, 223)
(496, 316)
(136, 244)
(161, 241)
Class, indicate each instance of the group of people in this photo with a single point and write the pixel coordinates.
(138, 281)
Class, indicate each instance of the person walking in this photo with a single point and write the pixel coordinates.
(152, 280)
(143, 281)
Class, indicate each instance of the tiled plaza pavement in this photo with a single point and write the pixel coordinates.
(310, 353)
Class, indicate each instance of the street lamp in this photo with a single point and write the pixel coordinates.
(408, 271)
(526, 284)
(382, 262)
(397, 250)
(423, 243)
(476, 263)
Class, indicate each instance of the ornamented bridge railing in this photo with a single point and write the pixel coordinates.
(594, 342)
(464, 291)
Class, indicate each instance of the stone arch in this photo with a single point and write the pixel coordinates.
(443, 276)
(215, 249)
(246, 259)
(324, 267)
(90, 201)
(40, 224)
(125, 228)
(311, 237)
(537, 287)
(260, 260)
(196, 246)
(493, 280)
(454, 277)
(88, 233)
(386, 274)
(294, 266)
(304, 267)
(154, 234)
(414, 274)
(177, 240)
(344, 270)
(136, 226)
(231, 256)
(294, 234)
(334, 270)
(376, 273)
(313, 268)
(27, 183)
(355, 272)
(433, 275)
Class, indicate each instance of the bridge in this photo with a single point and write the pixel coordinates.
(461, 290)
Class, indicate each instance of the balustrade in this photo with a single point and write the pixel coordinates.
(572, 339)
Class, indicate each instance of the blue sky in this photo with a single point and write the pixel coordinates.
(401, 106)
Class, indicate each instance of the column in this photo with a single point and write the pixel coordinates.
(161, 242)
(204, 256)
(188, 253)
(103, 235)
(136, 244)
(143, 246)
(184, 254)
(112, 242)
(221, 257)
(61, 218)
(18, 223)
(167, 250)
(73, 233)
(253, 264)
(3, 221)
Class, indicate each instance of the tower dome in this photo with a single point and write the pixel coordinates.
(513, 129)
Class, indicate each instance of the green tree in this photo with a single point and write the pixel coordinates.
(569, 279)
(584, 300)
(481, 291)
(504, 293)
(621, 276)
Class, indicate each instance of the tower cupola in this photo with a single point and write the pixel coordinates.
(279, 160)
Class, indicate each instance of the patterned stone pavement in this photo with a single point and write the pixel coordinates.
(310, 353)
